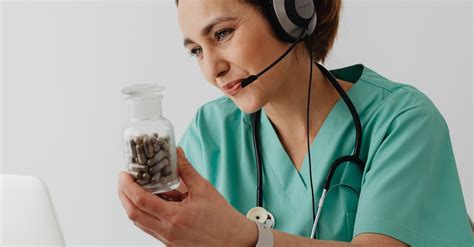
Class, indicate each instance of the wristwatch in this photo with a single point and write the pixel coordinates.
(265, 236)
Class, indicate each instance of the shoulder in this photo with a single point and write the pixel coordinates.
(392, 99)
(393, 92)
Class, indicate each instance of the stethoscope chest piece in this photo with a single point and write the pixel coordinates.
(262, 216)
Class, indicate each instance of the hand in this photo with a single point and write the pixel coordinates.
(198, 217)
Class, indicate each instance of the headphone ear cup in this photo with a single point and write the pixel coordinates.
(289, 17)
(277, 27)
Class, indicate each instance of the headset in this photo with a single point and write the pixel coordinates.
(293, 21)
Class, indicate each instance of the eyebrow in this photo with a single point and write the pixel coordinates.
(207, 29)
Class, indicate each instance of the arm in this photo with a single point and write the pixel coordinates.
(284, 239)
(361, 240)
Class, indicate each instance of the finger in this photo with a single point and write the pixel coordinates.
(146, 222)
(187, 172)
(138, 216)
(182, 186)
(144, 200)
(142, 219)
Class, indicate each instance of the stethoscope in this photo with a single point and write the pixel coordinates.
(260, 214)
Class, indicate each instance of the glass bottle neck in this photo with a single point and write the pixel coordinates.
(145, 108)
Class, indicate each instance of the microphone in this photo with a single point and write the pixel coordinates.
(247, 81)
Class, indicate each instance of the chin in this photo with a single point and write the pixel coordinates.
(250, 99)
(248, 110)
(248, 105)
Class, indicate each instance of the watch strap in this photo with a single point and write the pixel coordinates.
(265, 236)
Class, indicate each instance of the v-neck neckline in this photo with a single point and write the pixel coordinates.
(277, 159)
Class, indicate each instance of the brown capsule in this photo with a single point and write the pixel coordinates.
(146, 143)
(166, 146)
(159, 156)
(138, 140)
(142, 159)
(161, 141)
(153, 161)
(132, 146)
(148, 149)
(156, 147)
(166, 171)
(166, 179)
(143, 178)
(140, 175)
(146, 176)
(137, 168)
(140, 149)
(134, 174)
(141, 154)
(142, 182)
(156, 168)
(155, 178)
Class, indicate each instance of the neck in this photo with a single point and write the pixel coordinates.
(287, 110)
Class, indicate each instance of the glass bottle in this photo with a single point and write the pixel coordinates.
(149, 141)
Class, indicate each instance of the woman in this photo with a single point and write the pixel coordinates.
(406, 193)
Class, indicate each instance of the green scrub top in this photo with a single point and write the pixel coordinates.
(409, 189)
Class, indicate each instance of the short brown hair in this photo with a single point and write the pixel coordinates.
(320, 43)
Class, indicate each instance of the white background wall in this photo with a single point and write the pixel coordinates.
(63, 65)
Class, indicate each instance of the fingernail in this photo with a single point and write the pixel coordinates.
(180, 152)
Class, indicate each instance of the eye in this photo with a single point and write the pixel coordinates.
(196, 51)
(220, 36)
(223, 33)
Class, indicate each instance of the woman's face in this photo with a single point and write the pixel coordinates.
(232, 40)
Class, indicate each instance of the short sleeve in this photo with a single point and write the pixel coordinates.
(191, 142)
(411, 189)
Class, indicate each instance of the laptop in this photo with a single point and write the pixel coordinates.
(27, 216)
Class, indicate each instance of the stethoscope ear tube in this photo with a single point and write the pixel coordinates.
(350, 105)
(255, 119)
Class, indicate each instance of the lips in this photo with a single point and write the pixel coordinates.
(232, 88)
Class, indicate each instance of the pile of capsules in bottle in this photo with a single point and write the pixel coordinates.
(150, 160)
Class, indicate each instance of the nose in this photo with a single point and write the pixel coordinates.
(214, 65)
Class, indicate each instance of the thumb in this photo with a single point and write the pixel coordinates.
(188, 174)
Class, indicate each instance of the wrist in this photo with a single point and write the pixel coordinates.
(249, 234)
